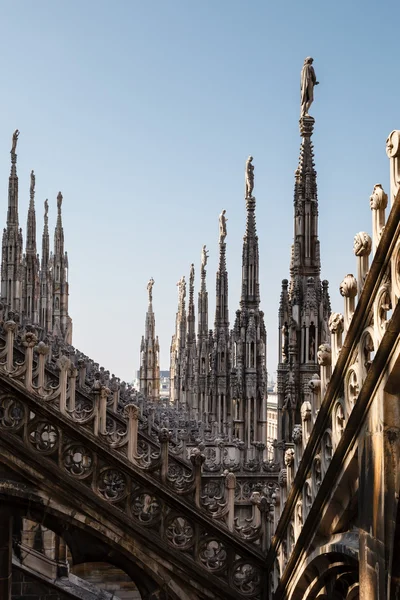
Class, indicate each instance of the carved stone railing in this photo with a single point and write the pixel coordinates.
(335, 402)
(146, 486)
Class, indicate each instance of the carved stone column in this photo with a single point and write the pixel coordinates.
(5, 555)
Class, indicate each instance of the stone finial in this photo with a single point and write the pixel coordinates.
(362, 244)
(393, 152)
(378, 199)
(324, 355)
(336, 322)
(348, 287)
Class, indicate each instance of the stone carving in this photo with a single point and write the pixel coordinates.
(204, 256)
(362, 244)
(111, 484)
(14, 141)
(246, 578)
(289, 457)
(336, 322)
(78, 461)
(378, 199)
(59, 201)
(179, 533)
(43, 436)
(213, 555)
(33, 179)
(249, 177)
(46, 208)
(146, 508)
(348, 287)
(222, 227)
(12, 413)
(181, 290)
(285, 344)
(393, 152)
(297, 435)
(308, 81)
(324, 355)
(150, 289)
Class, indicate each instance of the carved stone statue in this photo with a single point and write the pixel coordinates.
(249, 177)
(181, 289)
(308, 81)
(59, 200)
(204, 256)
(33, 179)
(191, 277)
(14, 141)
(222, 227)
(150, 289)
(46, 208)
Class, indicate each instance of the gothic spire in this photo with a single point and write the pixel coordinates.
(31, 221)
(306, 258)
(45, 238)
(250, 297)
(202, 306)
(59, 231)
(12, 216)
(221, 303)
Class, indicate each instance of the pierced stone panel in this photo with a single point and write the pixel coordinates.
(246, 578)
(43, 436)
(12, 413)
(179, 533)
(78, 461)
(111, 484)
(146, 508)
(213, 555)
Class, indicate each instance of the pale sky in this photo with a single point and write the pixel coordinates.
(143, 115)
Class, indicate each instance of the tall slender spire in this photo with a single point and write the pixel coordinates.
(304, 306)
(250, 297)
(149, 353)
(221, 302)
(203, 346)
(11, 271)
(46, 282)
(30, 287)
(178, 345)
(31, 220)
(12, 215)
(62, 324)
(249, 376)
(45, 238)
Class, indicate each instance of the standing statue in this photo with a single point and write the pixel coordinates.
(46, 208)
(181, 290)
(249, 177)
(204, 257)
(150, 289)
(307, 83)
(222, 227)
(33, 179)
(14, 141)
(59, 201)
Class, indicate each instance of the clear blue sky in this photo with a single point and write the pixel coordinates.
(143, 114)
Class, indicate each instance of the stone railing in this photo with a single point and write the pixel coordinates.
(362, 338)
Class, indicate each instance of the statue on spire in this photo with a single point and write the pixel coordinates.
(46, 208)
(222, 227)
(307, 83)
(204, 257)
(14, 141)
(191, 277)
(33, 179)
(59, 201)
(150, 289)
(181, 290)
(249, 177)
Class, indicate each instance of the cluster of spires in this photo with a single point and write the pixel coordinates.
(218, 376)
(35, 290)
